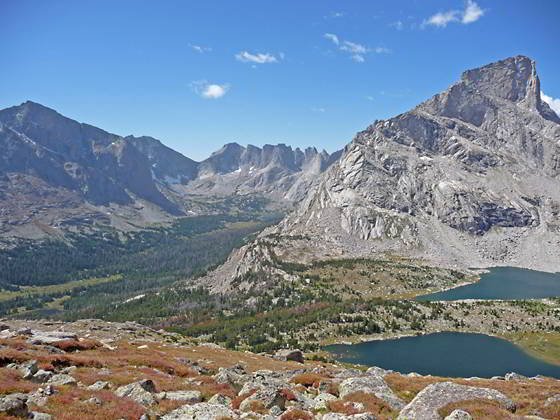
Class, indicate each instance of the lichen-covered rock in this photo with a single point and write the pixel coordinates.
(426, 404)
(512, 376)
(293, 355)
(140, 392)
(219, 399)
(200, 411)
(322, 400)
(14, 405)
(62, 379)
(99, 385)
(268, 397)
(186, 396)
(41, 376)
(338, 416)
(459, 415)
(371, 384)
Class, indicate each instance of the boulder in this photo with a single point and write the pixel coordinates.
(219, 399)
(140, 391)
(287, 354)
(322, 400)
(99, 385)
(555, 399)
(41, 376)
(62, 379)
(426, 404)
(377, 371)
(371, 384)
(235, 375)
(186, 396)
(14, 405)
(269, 397)
(200, 411)
(338, 416)
(512, 376)
(35, 415)
(458, 415)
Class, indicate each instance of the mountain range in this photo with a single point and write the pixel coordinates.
(58, 174)
(468, 178)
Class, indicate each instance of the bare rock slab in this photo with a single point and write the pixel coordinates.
(426, 404)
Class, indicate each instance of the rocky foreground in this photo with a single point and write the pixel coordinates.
(100, 370)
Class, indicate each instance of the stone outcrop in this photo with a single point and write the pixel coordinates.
(371, 384)
(426, 404)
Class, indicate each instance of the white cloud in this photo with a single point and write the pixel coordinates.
(333, 38)
(209, 90)
(552, 103)
(200, 49)
(353, 47)
(259, 58)
(470, 14)
(441, 19)
(398, 25)
(369, 98)
(357, 51)
(321, 110)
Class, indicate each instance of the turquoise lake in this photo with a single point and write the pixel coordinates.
(505, 283)
(445, 354)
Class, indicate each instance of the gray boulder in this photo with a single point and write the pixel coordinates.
(293, 355)
(61, 379)
(219, 399)
(35, 415)
(186, 396)
(41, 376)
(459, 415)
(269, 397)
(140, 392)
(14, 405)
(200, 411)
(338, 416)
(512, 376)
(322, 400)
(99, 385)
(426, 404)
(371, 384)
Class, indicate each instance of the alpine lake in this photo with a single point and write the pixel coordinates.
(453, 354)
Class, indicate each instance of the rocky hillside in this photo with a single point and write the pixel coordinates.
(469, 178)
(58, 174)
(93, 369)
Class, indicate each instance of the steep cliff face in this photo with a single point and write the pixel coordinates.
(468, 178)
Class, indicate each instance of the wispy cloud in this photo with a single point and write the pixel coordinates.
(357, 51)
(334, 15)
(333, 38)
(259, 58)
(209, 90)
(318, 109)
(398, 25)
(471, 13)
(200, 49)
(552, 103)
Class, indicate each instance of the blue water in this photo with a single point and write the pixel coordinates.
(505, 283)
(446, 354)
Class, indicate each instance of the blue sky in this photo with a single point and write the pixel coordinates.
(198, 74)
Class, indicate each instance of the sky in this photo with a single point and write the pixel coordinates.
(199, 74)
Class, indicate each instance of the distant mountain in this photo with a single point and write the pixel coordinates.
(470, 177)
(277, 171)
(57, 174)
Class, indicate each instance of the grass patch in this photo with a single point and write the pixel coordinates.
(542, 345)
